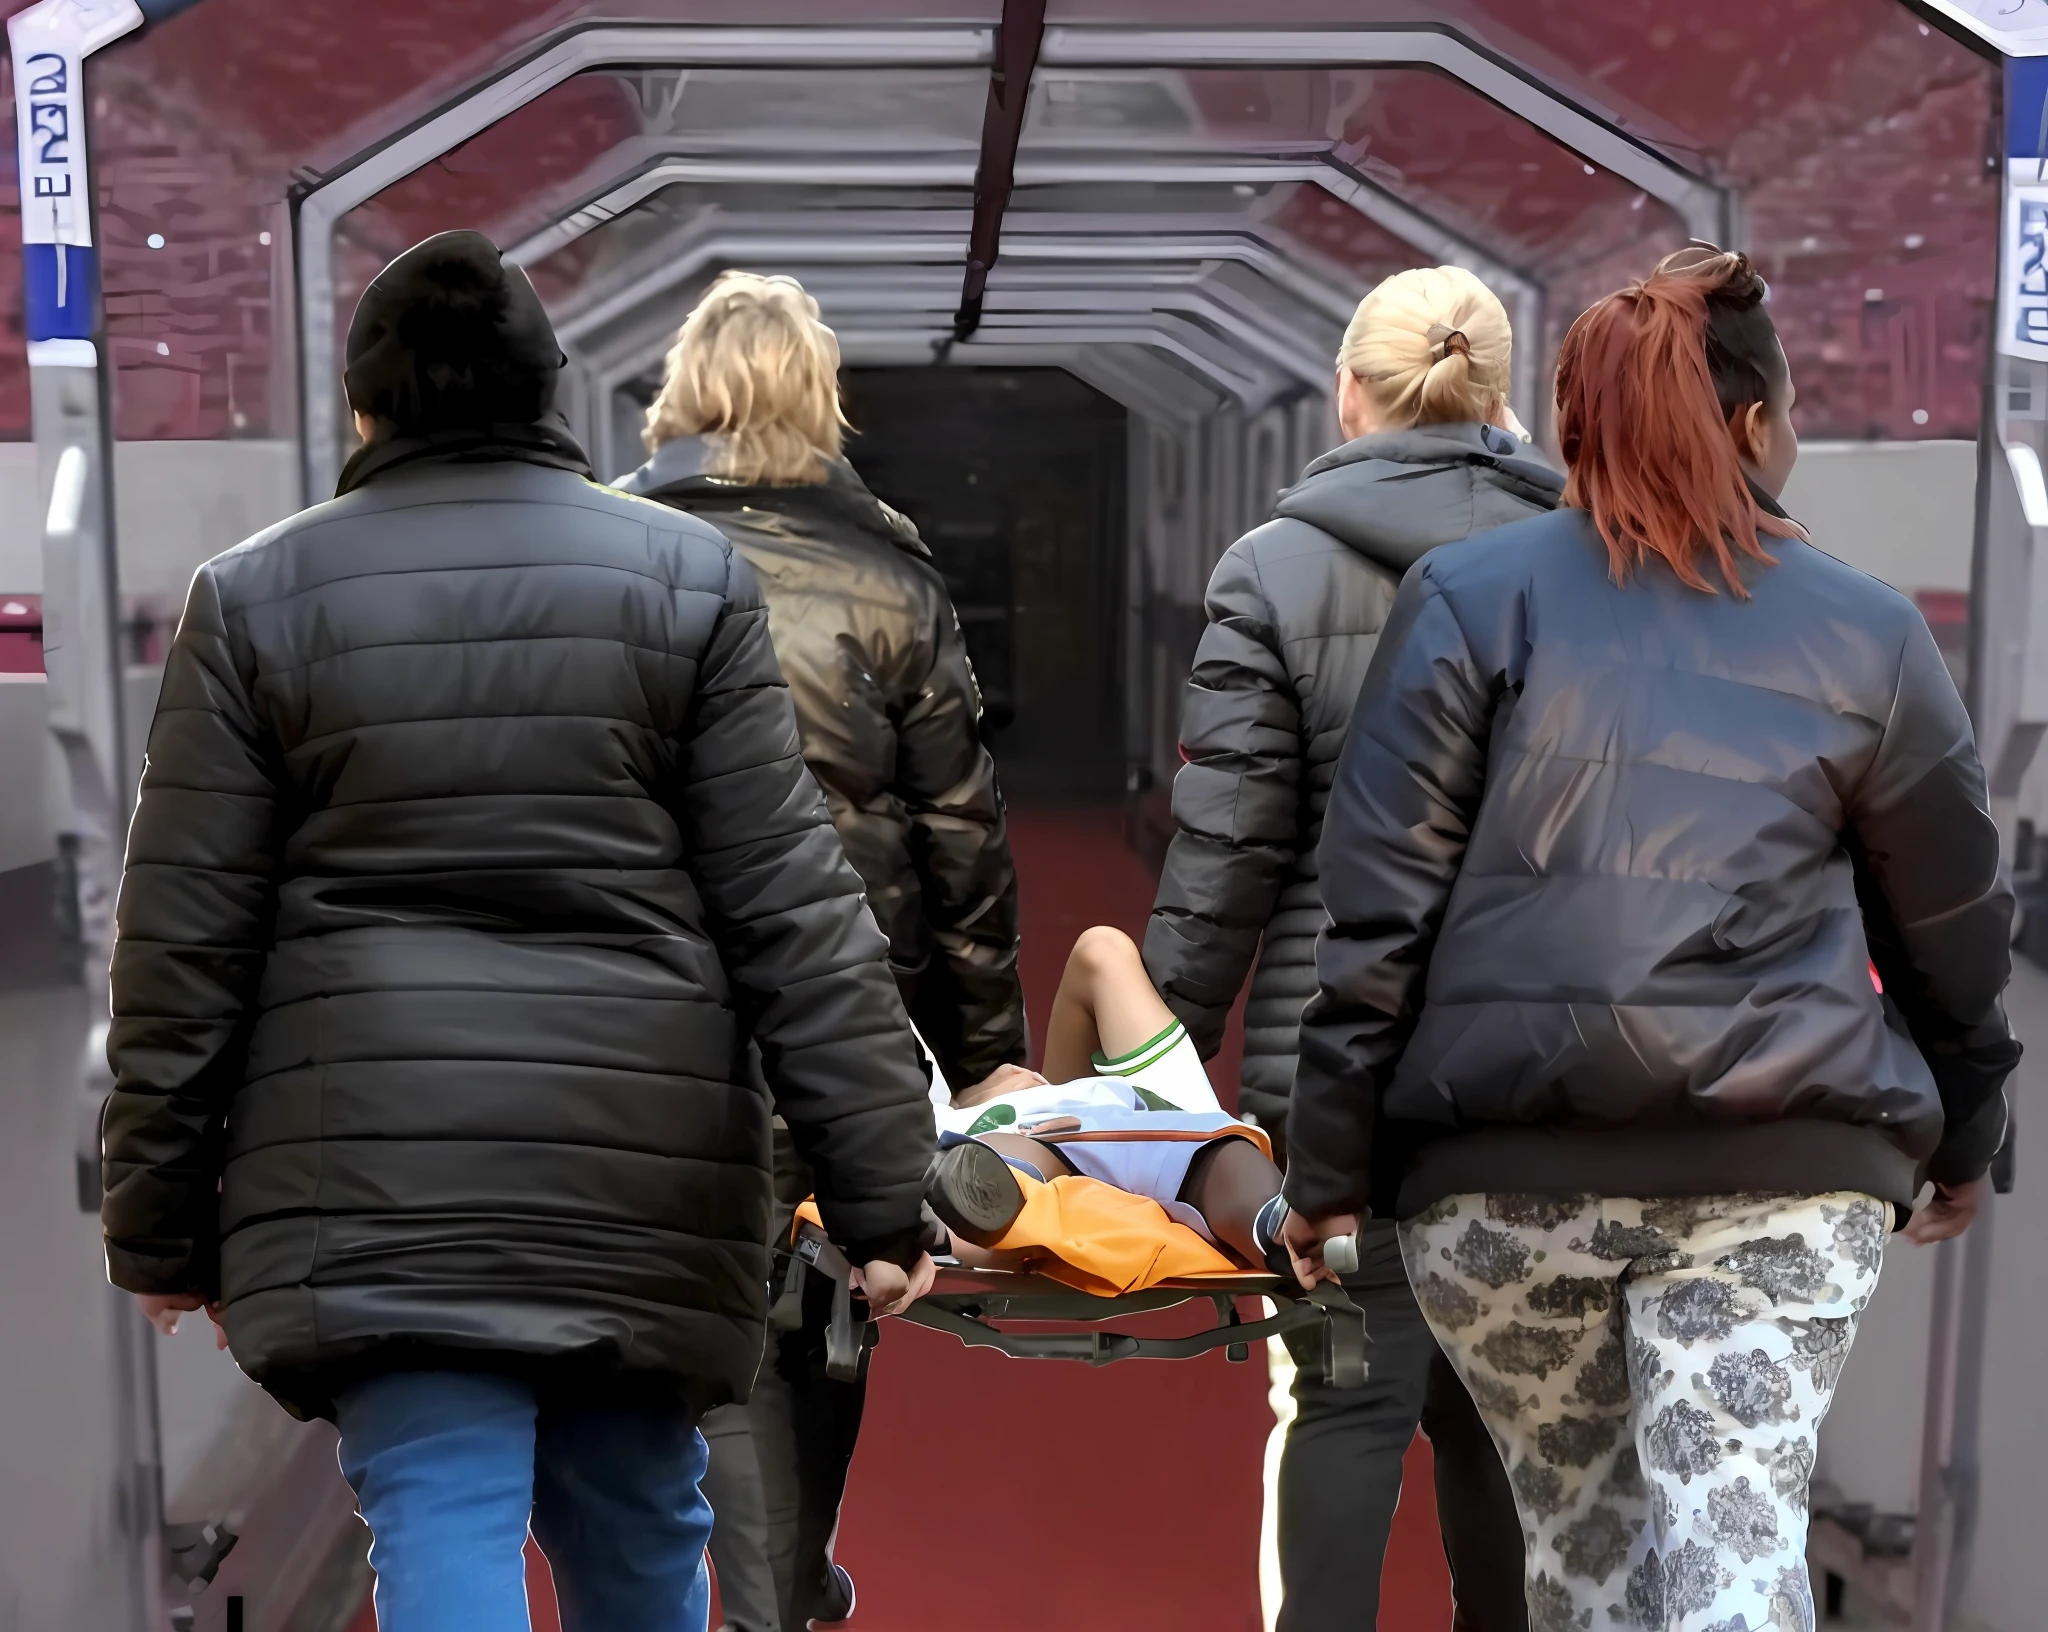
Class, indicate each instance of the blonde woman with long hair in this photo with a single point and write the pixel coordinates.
(1434, 453)
(746, 433)
(754, 377)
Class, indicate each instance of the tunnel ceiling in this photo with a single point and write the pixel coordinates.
(1220, 199)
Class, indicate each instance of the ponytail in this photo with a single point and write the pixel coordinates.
(1648, 382)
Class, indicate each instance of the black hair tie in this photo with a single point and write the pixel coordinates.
(1446, 341)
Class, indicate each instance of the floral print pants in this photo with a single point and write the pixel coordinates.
(1654, 1373)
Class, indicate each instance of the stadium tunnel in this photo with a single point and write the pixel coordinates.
(1089, 265)
(1193, 216)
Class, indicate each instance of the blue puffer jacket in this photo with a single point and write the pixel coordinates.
(1609, 869)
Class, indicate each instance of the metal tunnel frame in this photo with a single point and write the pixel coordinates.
(1522, 294)
(1708, 210)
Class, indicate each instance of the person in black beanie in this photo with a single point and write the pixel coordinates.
(474, 869)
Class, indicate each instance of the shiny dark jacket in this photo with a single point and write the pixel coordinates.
(1295, 611)
(891, 722)
(473, 848)
(1608, 869)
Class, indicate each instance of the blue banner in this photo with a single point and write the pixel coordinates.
(2026, 107)
(2023, 259)
(61, 290)
(49, 42)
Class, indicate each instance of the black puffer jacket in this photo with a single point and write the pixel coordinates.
(1295, 610)
(1608, 869)
(891, 722)
(474, 846)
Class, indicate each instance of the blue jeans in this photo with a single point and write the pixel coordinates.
(449, 1466)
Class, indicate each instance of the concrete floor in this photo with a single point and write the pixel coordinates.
(228, 1452)
(58, 1512)
(2008, 1586)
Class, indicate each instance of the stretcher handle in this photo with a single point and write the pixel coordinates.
(1342, 1254)
(786, 1313)
(845, 1338)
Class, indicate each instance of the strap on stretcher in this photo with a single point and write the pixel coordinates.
(966, 1315)
(845, 1340)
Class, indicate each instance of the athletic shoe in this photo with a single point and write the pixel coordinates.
(974, 1191)
(843, 1593)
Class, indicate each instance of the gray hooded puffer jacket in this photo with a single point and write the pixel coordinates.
(1295, 611)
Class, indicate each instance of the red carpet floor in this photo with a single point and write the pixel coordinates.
(1020, 1496)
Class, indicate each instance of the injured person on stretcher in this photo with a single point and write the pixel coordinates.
(1123, 1099)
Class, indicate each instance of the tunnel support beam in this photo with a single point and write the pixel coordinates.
(318, 209)
(1002, 129)
(1248, 355)
(1709, 210)
(1522, 293)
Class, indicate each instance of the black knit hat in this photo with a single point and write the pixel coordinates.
(448, 337)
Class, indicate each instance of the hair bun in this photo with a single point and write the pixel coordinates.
(1727, 274)
(1408, 327)
(1446, 342)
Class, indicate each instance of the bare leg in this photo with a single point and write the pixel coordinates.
(1228, 1182)
(1106, 1003)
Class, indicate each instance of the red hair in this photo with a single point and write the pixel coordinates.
(1644, 424)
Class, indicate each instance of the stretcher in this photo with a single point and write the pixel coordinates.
(968, 1303)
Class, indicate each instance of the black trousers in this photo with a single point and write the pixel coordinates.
(777, 1473)
(1340, 1473)
(779, 1462)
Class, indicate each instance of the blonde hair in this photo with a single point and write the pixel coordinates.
(1432, 346)
(756, 374)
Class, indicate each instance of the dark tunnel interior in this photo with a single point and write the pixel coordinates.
(1015, 478)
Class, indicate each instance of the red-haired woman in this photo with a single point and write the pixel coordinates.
(1636, 796)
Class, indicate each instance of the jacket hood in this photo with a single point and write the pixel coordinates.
(1395, 495)
(675, 474)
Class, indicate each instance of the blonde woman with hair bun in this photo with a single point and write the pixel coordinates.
(1427, 347)
(746, 434)
(1433, 454)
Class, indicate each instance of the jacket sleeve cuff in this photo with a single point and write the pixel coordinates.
(902, 1248)
(980, 1063)
(1967, 1148)
(167, 1269)
(1315, 1194)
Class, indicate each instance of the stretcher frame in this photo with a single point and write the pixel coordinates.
(965, 1303)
